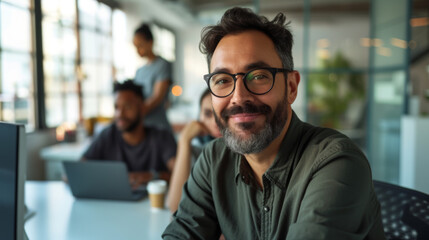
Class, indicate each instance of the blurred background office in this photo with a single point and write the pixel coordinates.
(364, 67)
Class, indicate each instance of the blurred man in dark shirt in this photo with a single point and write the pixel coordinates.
(148, 152)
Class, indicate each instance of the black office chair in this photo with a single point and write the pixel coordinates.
(405, 212)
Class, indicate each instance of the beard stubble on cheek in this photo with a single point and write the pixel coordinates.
(130, 124)
(133, 124)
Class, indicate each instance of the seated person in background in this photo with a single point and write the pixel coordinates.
(270, 175)
(148, 152)
(192, 139)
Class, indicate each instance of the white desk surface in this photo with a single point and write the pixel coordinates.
(65, 151)
(59, 216)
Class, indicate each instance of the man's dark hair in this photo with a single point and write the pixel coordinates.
(129, 85)
(144, 31)
(237, 20)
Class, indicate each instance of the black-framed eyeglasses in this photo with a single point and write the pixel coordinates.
(257, 81)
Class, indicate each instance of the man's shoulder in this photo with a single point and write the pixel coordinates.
(151, 130)
(327, 137)
(216, 159)
(108, 133)
(216, 144)
(158, 134)
(216, 151)
(103, 144)
(327, 143)
(307, 135)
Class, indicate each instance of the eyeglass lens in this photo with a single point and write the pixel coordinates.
(258, 81)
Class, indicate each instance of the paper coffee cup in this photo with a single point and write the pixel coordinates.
(157, 190)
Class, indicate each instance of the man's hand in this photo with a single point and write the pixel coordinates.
(139, 178)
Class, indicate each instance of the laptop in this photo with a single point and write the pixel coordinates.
(101, 180)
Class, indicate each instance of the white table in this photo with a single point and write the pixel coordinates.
(59, 216)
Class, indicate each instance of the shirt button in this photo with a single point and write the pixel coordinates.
(266, 209)
(243, 177)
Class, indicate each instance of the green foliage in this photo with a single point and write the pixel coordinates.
(331, 92)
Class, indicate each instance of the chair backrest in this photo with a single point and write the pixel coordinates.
(405, 212)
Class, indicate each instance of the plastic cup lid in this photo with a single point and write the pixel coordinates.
(157, 186)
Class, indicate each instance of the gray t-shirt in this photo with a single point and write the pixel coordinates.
(153, 153)
(147, 76)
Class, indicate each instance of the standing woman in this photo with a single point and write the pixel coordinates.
(155, 77)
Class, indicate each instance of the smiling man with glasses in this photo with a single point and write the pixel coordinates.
(271, 176)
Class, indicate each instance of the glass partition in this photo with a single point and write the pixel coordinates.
(389, 60)
(353, 58)
(335, 66)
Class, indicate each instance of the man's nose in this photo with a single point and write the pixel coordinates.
(241, 94)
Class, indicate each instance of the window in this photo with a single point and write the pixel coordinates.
(59, 54)
(120, 43)
(164, 43)
(78, 61)
(17, 102)
(96, 58)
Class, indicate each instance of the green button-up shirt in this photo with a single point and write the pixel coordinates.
(318, 187)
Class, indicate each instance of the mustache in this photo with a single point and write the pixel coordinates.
(123, 119)
(246, 108)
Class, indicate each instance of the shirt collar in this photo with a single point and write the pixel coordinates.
(280, 170)
(244, 171)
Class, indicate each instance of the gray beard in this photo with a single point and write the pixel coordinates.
(254, 144)
(260, 140)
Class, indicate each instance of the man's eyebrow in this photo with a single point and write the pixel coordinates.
(259, 64)
(249, 67)
(220, 70)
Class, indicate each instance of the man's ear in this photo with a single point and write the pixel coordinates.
(292, 86)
